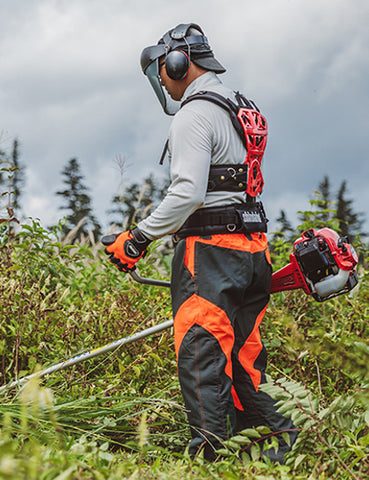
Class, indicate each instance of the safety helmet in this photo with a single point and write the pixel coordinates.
(180, 45)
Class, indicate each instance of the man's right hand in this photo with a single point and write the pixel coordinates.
(126, 249)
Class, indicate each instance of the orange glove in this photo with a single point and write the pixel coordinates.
(125, 249)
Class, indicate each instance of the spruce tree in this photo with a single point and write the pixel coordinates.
(324, 202)
(3, 184)
(285, 226)
(350, 223)
(12, 178)
(77, 202)
(137, 201)
(2, 176)
(125, 206)
(18, 177)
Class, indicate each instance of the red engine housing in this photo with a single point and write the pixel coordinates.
(322, 264)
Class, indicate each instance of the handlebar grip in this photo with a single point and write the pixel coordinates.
(109, 239)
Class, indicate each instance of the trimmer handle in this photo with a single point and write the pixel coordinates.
(149, 281)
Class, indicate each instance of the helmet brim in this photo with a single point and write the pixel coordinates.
(208, 62)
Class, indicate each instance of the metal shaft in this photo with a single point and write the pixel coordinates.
(92, 353)
(106, 348)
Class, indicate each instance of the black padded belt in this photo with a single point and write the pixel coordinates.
(246, 217)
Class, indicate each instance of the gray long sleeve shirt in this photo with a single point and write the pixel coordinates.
(201, 134)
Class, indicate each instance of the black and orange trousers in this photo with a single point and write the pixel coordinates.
(220, 291)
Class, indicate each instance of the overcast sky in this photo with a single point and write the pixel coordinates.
(71, 86)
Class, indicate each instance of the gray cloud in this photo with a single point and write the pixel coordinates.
(71, 86)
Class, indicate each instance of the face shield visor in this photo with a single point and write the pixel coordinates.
(150, 66)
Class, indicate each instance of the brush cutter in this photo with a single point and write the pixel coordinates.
(322, 263)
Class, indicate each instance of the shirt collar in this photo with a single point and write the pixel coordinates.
(203, 82)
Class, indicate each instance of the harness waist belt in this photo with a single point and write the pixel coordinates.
(246, 217)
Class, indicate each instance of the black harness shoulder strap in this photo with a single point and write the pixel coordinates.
(164, 152)
(227, 105)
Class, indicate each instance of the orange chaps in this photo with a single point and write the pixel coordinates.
(220, 292)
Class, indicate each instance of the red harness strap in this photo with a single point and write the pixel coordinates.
(256, 132)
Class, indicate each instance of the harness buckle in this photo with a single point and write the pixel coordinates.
(232, 172)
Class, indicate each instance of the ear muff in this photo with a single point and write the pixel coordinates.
(177, 64)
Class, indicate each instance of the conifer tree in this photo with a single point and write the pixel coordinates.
(12, 177)
(2, 165)
(334, 211)
(350, 223)
(18, 177)
(285, 226)
(137, 201)
(125, 206)
(324, 202)
(77, 202)
(3, 185)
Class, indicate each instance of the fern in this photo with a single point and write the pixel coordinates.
(337, 434)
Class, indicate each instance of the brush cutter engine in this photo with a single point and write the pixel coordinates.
(322, 263)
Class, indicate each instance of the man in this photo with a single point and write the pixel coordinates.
(221, 270)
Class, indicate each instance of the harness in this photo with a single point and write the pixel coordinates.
(248, 217)
(251, 127)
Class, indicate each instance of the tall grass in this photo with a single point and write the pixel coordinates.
(121, 415)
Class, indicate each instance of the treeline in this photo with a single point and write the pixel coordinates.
(137, 200)
(327, 208)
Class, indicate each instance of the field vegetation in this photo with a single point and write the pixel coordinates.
(121, 415)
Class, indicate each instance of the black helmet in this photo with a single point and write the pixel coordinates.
(187, 38)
